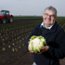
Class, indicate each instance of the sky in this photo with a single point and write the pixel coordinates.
(32, 7)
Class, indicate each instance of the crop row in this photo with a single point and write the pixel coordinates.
(12, 37)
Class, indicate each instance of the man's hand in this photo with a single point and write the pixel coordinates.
(44, 49)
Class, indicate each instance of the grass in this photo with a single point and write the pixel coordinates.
(61, 20)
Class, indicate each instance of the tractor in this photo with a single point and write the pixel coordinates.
(5, 17)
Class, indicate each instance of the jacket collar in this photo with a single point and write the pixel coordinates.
(52, 29)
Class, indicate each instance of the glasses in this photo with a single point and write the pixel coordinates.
(46, 14)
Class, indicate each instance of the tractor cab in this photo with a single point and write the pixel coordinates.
(5, 12)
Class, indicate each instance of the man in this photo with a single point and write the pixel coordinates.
(55, 39)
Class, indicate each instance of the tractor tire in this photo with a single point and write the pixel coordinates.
(11, 20)
(4, 21)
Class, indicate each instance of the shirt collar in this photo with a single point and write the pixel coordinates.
(42, 24)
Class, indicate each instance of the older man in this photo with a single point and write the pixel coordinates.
(55, 38)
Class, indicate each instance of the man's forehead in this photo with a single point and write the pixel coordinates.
(49, 12)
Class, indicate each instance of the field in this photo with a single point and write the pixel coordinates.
(12, 40)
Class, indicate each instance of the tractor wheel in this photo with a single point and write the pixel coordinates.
(11, 20)
(3, 21)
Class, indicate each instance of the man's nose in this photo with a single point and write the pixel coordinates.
(49, 16)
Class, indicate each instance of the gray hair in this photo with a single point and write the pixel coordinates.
(52, 9)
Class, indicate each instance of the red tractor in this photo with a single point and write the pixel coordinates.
(5, 16)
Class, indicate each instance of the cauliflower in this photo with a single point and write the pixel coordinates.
(36, 43)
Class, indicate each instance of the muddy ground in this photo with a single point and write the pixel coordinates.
(12, 48)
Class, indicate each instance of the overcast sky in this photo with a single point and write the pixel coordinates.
(32, 7)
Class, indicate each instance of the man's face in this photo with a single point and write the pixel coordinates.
(49, 17)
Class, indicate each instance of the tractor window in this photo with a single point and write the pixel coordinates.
(4, 12)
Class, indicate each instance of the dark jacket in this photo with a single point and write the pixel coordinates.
(55, 38)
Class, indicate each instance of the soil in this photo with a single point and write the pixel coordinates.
(11, 52)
